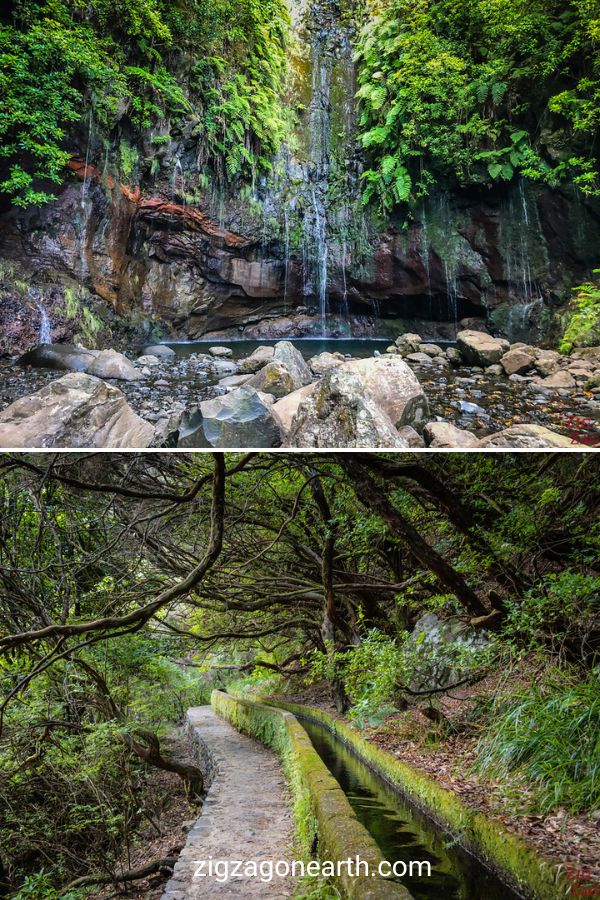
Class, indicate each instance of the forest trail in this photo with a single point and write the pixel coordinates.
(245, 816)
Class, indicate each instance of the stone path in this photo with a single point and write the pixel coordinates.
(245, 817)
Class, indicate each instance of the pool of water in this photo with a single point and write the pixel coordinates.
(357, 348)
(403, 833)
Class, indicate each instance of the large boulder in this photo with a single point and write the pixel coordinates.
(479, 349)
(239, 419)
(444, 434)
(325, 362)
(258, 359)
(526, 437)
(221, 352)
(161, 351)
(110, 364)
(286, 353)
(275, 378)
(339, 412)
(73, 412)
(441, 650)
(394, 387)
(59, 357)
(408, 343)
(517, 362)
(286, 409)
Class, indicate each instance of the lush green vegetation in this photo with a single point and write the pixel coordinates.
(127, 67)
(583, 327)
(130, 585)
(474, 93)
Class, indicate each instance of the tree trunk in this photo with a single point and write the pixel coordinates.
(375, 498)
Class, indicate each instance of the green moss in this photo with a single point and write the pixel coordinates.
(485, 837)
(320, 807)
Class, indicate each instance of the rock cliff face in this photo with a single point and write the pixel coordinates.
(298, 254)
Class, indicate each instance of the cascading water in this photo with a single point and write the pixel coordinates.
(317, 169)
(525, 299)
(85, 187)
(45, 327)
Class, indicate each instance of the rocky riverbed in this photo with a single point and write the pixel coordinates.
(480, 392)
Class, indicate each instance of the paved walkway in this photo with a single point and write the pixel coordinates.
(245, 817)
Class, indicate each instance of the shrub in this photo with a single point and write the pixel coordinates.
(551, 736)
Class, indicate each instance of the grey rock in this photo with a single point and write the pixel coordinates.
(444, 434)
(479, 349)
(256, 360)
(148, 360)
(517, 362)
(411, 437)
(394, 387)
(110, 364)
(239, 419)
(286, 353)
(59, 357)
(160, 351)
(340, 412)
(526, 437)
(325, 362)
(72, 412)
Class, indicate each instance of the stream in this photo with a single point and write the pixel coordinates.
(402, 832)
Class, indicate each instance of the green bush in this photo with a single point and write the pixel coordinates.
(550, 735)
(584, 326)
(478, 92)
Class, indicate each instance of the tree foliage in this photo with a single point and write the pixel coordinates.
(478, 92)
(64, 61)
(128, 583)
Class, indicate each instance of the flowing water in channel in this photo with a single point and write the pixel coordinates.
(403, 833)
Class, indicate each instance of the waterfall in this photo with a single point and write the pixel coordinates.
(316, 221)
(45, 329)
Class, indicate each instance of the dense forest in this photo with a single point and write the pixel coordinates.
(437, 602)
(468, 91)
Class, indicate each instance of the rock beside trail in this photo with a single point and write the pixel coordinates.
(239, 419)
(444, 434)
(256, 360)
(340, 412)
(160, 351)
(527, 437)
(480, 349)
(73, 412)
(110, 364)
(394, 387)
(59, 357)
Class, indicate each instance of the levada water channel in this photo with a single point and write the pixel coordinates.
(404, 834)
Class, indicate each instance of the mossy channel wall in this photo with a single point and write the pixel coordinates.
(322, 813)
(505, 853)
